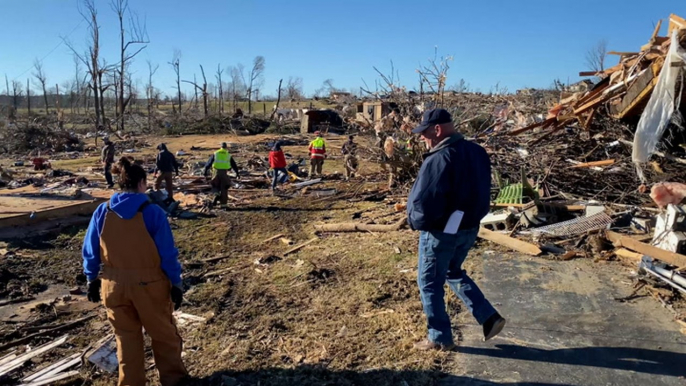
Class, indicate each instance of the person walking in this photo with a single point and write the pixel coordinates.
(165, 165)
(349, 150)
(317, 150)
(221, 163)
(446, 204)
(277, 161)
(140, 283)
(107, 157)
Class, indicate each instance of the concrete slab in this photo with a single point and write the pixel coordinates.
(566, 328)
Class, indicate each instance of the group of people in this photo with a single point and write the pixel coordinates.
(132, 266)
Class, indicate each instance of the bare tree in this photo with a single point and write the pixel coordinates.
(137, 35)
(42, 79)
(176, 66)
(202, 89)
(434, 74)
(294, 88)
(278, 100)
(220, 71)
(91, 59)
(237, 83)
(150, 92)
(595, 56)
(28, 99)
(255, 77)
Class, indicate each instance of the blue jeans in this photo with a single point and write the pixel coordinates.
(276, 176)
(441, 256)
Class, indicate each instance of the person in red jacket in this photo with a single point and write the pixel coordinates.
(277, 161)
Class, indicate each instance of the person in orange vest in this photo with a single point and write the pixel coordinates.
(317, 154)
(140, 282)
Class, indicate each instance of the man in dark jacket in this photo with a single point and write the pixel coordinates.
(349, 150)
(454, 181)
(165, 165)
(107, 158)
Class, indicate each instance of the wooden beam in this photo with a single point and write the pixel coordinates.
(545, 123)
(625, 241)
(510, 242)
(656, 31)
(78, 208)
(628, 255)
(675, 22)
(298, 247)
(359, 227)
(606, 162)
(622, 53)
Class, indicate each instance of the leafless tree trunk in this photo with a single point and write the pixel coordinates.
(175, 63)
(595, 56)
(278, 100)
(28, 98)
(42, 81)
(220, 110)
(150, 93)
(137, 36)
(91, 59)
(202, 89)
(294, 88)
(255, 75)
(16, 93)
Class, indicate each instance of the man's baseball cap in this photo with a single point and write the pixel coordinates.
(432, 118)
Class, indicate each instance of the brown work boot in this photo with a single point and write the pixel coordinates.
(426, 345)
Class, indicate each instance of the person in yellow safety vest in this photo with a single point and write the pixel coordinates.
(221, 163)
(317, 154)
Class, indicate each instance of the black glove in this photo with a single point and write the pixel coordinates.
(94, 291)
(176, 296)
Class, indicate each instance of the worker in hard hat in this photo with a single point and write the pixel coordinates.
(140, 282)
(221, 163)
(317, 154)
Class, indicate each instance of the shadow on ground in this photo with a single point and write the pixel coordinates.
(312, 375)
(658, 362)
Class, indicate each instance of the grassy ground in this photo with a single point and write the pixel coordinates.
(343, 310)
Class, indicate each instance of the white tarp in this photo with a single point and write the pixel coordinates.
(660, 108)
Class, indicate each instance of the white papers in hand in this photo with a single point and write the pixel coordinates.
(454, 222)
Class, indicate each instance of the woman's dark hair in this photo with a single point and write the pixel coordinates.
(130, 174)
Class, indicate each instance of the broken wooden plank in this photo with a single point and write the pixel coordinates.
(20, 360)
(544, 123)
(45, 332)
(300, 246)
(78, 208)
(217, 272)
(53, 379)
(592, 164)
(307, 183)
(272, 238)
(510, 242)
(624, 253)
(625, 241)
(15, 301)
(55, 368)
(359, 227)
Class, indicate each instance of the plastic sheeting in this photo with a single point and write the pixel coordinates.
(660, 108)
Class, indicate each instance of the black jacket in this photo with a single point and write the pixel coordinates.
(166, 162)
(455, 175)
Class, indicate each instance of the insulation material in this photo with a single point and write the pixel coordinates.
(661, 106)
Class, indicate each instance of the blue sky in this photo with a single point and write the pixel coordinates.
(515, 44)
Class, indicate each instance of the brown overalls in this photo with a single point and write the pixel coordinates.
(136, 293)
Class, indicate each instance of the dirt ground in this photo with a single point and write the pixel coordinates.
(343, 310)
